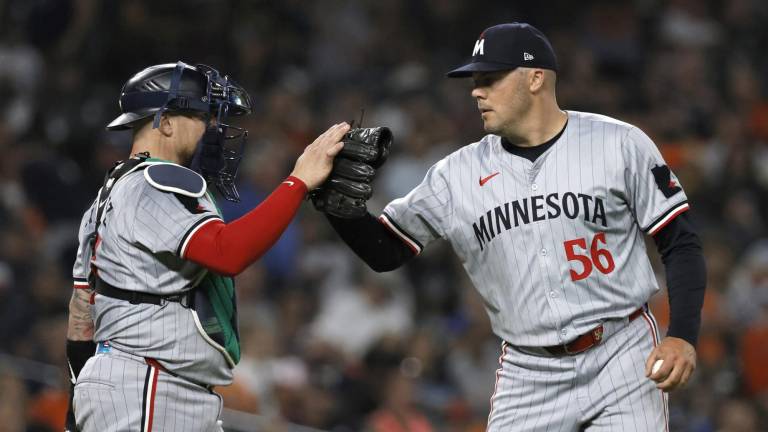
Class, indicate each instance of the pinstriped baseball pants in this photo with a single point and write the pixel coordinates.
(600, 390)
(120, 392)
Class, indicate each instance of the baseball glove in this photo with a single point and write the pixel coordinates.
(348, 187)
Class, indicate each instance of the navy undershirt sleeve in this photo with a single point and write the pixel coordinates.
(372, 242)
(683, 258)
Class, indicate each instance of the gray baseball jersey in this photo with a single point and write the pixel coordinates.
(141, 244)
(554, 246)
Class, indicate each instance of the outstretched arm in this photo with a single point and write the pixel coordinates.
(373, 242)
(229, 248)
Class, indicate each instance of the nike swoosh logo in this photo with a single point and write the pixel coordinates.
(288, 182)
(484, 180)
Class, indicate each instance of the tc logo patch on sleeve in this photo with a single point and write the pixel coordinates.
(664, 180)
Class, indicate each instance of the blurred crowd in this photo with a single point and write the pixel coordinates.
(327, 343)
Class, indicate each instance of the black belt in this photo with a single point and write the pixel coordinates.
(136, 297)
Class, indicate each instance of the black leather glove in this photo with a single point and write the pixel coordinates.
(348, 187)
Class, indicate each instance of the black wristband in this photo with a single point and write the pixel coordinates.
(78, 352)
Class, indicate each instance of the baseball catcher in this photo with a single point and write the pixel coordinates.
(154, 298)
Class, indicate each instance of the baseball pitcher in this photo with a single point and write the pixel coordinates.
(548, 214)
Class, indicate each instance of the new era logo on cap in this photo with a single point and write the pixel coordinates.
(506, 47)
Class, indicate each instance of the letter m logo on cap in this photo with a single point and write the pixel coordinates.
(479, 47)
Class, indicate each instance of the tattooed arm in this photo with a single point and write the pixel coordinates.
(80, 327)
(80, 345)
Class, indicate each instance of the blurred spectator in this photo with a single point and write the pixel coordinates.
(737, 415)
(397, 413)
(21, 71)
(324, 345)
(475, 353)
(689, 23)
(748, 290)
(14, 401)
(351, 320)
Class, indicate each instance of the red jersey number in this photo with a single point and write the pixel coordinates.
(601, 259)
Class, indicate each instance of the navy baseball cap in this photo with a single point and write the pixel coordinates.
(506, 47)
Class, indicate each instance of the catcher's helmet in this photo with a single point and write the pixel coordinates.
(183, 88)
(178, 87)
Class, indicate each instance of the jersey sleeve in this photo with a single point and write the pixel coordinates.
(424, 214)
(165, 221)
(654, 192)
(81, 268)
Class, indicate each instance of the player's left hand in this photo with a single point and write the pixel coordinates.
(679, 362)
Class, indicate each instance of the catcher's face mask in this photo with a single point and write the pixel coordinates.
(221, 148)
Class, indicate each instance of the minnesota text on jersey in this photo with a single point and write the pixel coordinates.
(527, 210)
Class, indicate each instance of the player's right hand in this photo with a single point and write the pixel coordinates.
(314, 165)
(678, 363)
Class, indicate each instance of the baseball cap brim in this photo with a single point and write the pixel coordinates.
(467, 70)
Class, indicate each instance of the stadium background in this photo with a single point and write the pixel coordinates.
(328, 345)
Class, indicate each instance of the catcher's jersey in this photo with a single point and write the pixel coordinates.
(556, 245)
(141, 241)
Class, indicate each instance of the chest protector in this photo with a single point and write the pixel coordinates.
(213, 301)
